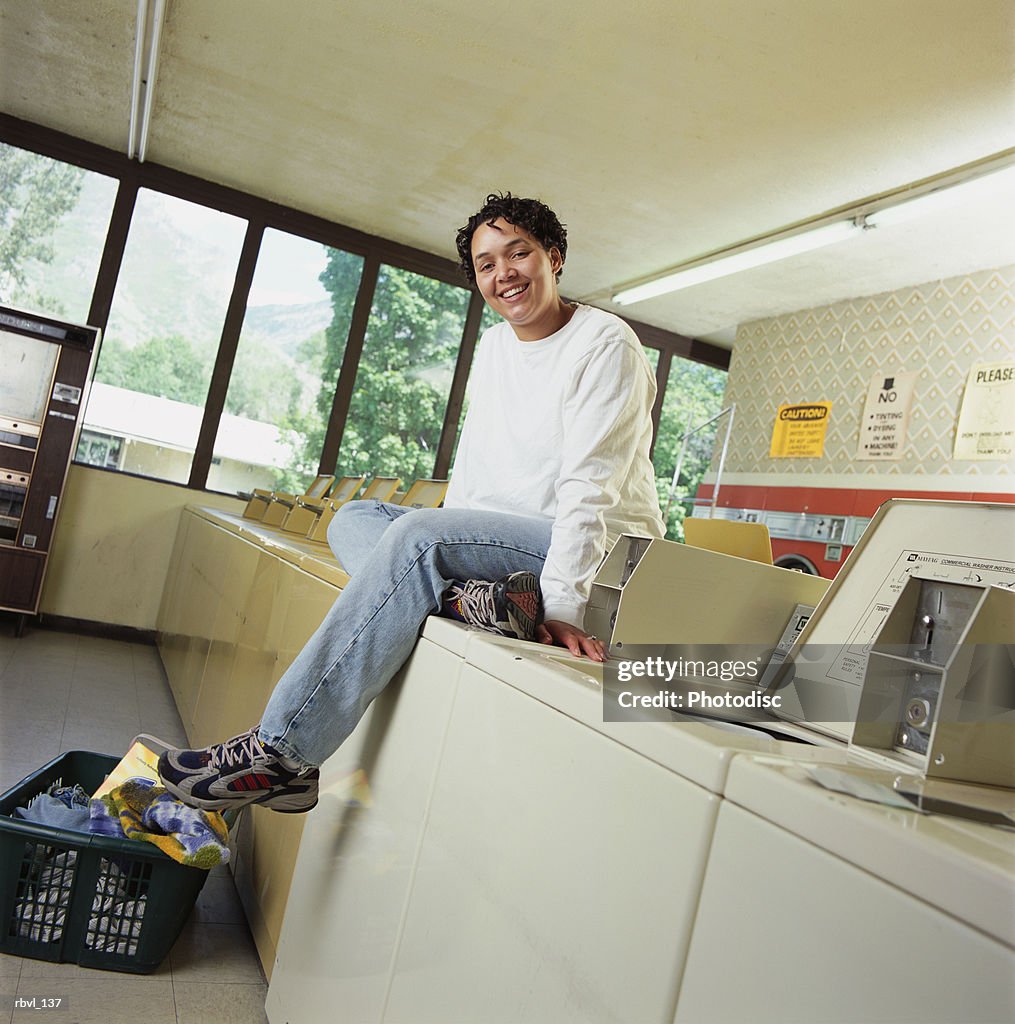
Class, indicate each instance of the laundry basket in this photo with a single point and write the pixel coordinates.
(72, 897)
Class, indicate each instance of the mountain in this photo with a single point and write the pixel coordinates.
(176, 277)
(285, 327)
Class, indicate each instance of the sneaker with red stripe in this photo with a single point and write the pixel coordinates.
(240, 771)
(510, 606)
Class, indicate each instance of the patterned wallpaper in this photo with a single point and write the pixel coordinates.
(937, 330)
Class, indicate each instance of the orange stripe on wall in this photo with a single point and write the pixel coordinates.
(839, 501)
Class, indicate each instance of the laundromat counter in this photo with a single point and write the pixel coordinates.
(240, 601)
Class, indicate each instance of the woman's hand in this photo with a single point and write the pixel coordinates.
(576, 640)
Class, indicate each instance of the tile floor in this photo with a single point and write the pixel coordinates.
(58, 692)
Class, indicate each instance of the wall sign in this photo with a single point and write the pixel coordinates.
(799, 431)
(886, 416)
(986, 428)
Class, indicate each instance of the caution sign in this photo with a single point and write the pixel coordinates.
(886, 416)
(799, 431)
(986, 428)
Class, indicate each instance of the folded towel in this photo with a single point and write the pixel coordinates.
(139, 809)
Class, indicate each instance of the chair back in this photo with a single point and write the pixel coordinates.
(381, 488)
(425, 494)
(345, 489)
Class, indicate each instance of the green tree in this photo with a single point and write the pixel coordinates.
(263, 386)
(694, 394)
(35, 193)
(401, 390)
(167, 367)
(341, 278)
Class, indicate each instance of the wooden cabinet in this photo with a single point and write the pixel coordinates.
(46, 368)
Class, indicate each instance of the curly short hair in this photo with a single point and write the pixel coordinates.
(528, 214)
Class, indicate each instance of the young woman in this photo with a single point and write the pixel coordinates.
(553, 465)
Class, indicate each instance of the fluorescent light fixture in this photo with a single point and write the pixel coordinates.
(146, 61)
(850, 223)
(745, 259)
(140, 32)
(984, 187)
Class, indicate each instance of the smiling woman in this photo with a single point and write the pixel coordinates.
(552, 468)
(517, 278)
(578, 459)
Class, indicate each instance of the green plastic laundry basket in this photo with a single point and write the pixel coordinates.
(72, 897)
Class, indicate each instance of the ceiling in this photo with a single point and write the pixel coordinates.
(660, 130)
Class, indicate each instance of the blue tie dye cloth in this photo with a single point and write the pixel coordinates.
(141, 810)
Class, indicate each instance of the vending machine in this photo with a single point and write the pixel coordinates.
(45, 369)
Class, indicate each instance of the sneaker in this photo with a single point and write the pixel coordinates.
(509, 606)
(240, 771)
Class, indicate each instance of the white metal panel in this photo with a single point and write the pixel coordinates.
(946, 540)
(558, 875)
(966, 869)
(356, 864)
(789, 933)
(699, 750)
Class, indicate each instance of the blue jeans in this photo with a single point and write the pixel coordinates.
(400, 561)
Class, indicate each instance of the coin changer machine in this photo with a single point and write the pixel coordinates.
(907, 657)
(45, 367)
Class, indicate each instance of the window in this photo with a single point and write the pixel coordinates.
(164, 328)
(167, 313)
(486, 321)
(53, 223)
(694, 394)
(283, 379)
(100, 449)
(404, 376)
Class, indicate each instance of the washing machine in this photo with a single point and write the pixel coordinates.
(818, 905)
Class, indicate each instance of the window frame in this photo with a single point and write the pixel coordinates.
(260, 214)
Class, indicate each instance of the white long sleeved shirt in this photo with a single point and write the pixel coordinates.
(560, 429)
